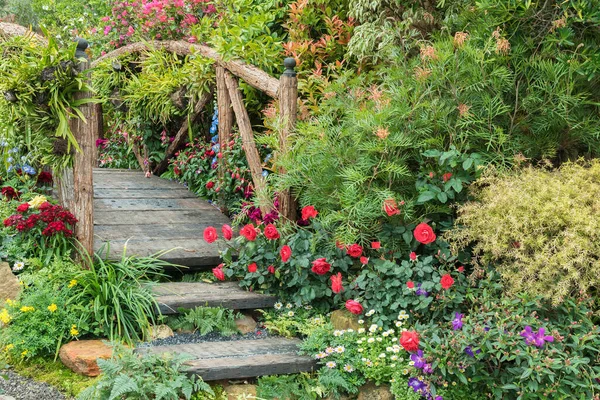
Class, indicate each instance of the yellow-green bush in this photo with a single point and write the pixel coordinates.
(540, 229)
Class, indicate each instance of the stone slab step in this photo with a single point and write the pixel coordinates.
(241, 358)
(173, 295)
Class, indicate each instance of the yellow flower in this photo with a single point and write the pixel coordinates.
(5, 316)
(52, 307)
(9, 346)
(9, 302)
(27, 309)
(24, 353)
(37, 201)
(74, 331)
(72, 283)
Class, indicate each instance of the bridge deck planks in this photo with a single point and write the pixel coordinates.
(151, 215)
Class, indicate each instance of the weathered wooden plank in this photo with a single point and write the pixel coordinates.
(124, 217)
(148, 204)
(151, 231)
(174, 295)
(143, 193)
(241, 358)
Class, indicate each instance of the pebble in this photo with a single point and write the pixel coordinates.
(17, 387)
(188, 338)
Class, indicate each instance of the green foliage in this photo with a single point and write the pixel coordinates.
(297, 387)
(538, 227)
(39, 322)
(143, 377)
(489, 355)
(291, 322)
(115, 297)
(206, 320)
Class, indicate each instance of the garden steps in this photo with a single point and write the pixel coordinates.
(234, 359)
(151, 215)
(173, 295)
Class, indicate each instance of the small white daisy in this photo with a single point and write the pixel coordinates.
(399, 323)
(360, 350)
(385, 334)
(394, 357)
(340, 349)
(320, 356)
(379, 339)
(290, 313)
(382, 355)
(370, 312)
(361, 330)
(331, 364)
(289, 305)
(405, 371)
(373, 328)
(368, 363)
(308, 307)
(329, 350)
(348, 368)
(361, 321)
(371, 340)
(338, 333)
(350, 330)
(18, 266)
(278, 306)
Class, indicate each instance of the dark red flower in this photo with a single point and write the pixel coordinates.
(13, 220)
(424, 234)
(23, 208)
(44, 206)
(309, 212)
(44, 177)
(271, 232)
(355, 250)
(390, 207)
(210, 234)
(271, 269)
(413, 256)
(227, 232)
(410, 341)
(446, 177)
(249, 232)
(252, 268)
(446, 281)
(461, 269)
(9, 192)
(354, 307)
(320, 266)
(336, 283)
(210, 185)
(285, 253)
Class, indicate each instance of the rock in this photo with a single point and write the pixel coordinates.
(9, 283)
(246, 324)
(372, 392)
(80, 356)
(160, 332)
(5, 397)
(344, 319)
(240, 392)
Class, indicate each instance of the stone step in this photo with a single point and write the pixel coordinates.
(236, 359)
(173, 295)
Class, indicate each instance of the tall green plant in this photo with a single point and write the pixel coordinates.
(116, 296)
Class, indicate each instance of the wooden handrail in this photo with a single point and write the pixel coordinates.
(253, 76)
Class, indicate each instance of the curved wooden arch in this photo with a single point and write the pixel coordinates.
(253, 76)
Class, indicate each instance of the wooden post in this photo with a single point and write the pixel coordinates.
(85, 133)
(288, 111)
(225, 125)
(245, 127)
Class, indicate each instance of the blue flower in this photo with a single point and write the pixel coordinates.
(28, 169)
(416, 384)
(13, 150)
(10, 160)
(265, 173)
(421, 292)
(213, 130)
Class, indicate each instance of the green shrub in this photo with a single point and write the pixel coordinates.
(151, 376)
(206, 320)
(39, 322)
(539, 228)
(115, 296)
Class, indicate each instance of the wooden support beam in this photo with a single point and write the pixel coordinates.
(288, 111)
(182, 134)
(253, 76)
(245, 127)
(225, 126)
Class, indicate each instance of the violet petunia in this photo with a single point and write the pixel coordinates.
(457, 323)
(418, 359)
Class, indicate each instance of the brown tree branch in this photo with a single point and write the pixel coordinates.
(8, 29)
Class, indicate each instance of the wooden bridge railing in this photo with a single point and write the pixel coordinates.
(79, 181)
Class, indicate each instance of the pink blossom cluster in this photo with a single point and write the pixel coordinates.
(155, 19)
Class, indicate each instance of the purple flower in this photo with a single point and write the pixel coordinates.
(469, 351)
(418, 359)
(439, 398)
(416, 384)
(421, 292)
(457, 321)
(427, 369)
(271, 217)
(538, 338)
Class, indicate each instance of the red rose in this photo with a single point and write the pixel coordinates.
(354, 307)
(355, 250)
(285, 253)
(336, 283)
(390, 207)
(431, 174)
(249, 232)
(413, 256)
(227, 232)
(410, 341)
(424, 234)
(271, 232)
(23, 207)
(271, 269)
(252, 268)
(410, 284)
(446, 177)
(218, 273)
(210, 185)
(461, 269)
(375, 245)
(210, 234)
(364, 260)
(309, 212)
(446, 281)
(320, 266)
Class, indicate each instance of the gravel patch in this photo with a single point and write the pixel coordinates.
(189, 338)
(22, 388)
